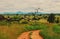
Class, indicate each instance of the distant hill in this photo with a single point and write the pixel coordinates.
(20, 12)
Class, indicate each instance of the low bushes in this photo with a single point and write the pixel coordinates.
(52, 33)
(47, 32)
(56, 29)
(36, 27)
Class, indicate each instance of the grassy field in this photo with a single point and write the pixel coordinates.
(14, 30)
(11, 31)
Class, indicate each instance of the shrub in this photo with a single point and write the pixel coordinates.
(56, 29)
(51, 18)
(36, 27)
(51, 34)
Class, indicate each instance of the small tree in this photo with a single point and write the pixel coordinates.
(57, 21)
(51, 18)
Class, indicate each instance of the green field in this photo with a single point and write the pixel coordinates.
(14, 29)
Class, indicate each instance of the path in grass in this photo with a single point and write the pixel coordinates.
(24, 35)
(33, 35)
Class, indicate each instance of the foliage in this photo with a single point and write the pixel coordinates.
(53, 33)
(3, 23)
(36, 27)
(15, 30)
(51, 18)
(56, 29)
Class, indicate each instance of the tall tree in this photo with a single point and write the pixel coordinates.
(51, 18)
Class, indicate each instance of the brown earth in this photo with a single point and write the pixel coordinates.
(34, 35)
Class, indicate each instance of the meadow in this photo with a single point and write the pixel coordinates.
(14, 29)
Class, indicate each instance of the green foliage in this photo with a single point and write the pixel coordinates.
(51, 34)
(25, 22)
(36, 27)
(51, 18)
(3, 22)
(56, 29)
(46, 35)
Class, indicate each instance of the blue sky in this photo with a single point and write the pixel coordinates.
(29, 5)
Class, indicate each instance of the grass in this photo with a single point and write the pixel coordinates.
(56, 29)
(14, 30)
(53, 32)
(30, 35)
(36, 27)
(11, 32)
(3, 23)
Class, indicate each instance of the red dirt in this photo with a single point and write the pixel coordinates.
(34, 35)
(24, 35)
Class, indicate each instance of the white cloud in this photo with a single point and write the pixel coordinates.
(29, 5)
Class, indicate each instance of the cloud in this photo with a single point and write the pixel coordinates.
(29, 5)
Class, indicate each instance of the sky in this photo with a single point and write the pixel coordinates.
(30, 5)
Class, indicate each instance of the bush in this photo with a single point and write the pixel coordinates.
(51, 34)
(51, 18)
(36, 27)
(3, 23)
(46, 35)
(56, 29)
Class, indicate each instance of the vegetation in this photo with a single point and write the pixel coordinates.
(51, 33)
(11, 29)
(51, 18)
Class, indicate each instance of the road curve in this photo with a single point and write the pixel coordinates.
(34, 35)
(24, 35)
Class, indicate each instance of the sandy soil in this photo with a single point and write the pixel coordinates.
(34, 35)
(24, 35)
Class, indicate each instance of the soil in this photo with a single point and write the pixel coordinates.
(34, 35)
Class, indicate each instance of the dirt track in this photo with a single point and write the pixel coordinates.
(34, 35)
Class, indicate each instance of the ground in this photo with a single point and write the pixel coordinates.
(34, 35)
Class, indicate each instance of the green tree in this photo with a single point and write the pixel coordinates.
(51, 18)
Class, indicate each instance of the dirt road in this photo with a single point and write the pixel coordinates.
(34, 35)
(24, 35)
